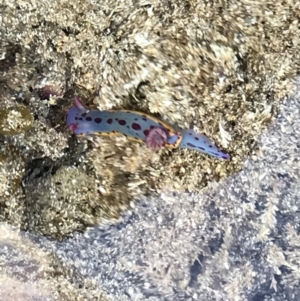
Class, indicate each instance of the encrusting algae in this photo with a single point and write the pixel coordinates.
(220, 68)
(15, 120)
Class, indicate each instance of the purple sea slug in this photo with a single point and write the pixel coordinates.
(137, 126)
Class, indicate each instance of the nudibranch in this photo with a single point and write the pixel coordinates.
(139, 127)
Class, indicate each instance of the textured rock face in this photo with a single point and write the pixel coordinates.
(239, 240)
(30, 273)
(222, 68)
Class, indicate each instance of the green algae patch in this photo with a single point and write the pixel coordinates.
(15, 120)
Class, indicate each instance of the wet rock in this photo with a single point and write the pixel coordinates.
(15, 120)
(12, 166)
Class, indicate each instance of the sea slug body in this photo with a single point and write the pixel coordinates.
(135, 125)
(199, 142)
(139, 127)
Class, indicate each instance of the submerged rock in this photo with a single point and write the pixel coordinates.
(15, 120)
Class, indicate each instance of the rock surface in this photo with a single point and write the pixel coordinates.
(238, 240)
(222, 68)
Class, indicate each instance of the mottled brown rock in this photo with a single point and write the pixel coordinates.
(221, 68)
